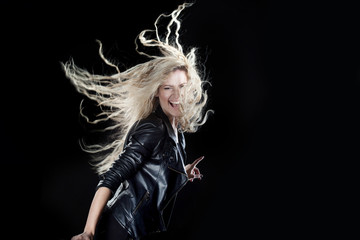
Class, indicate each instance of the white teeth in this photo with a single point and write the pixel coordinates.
(175, 102)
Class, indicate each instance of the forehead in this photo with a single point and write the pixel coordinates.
(176, 77)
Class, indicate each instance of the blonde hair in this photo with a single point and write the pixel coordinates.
(129, 96)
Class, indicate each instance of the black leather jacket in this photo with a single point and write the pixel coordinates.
(147, 176)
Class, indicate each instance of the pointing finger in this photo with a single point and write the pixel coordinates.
(197, 161)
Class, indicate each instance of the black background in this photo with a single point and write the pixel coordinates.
(279, 151)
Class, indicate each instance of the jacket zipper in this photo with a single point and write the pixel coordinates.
(173, 169)
(174, 194)
(145, 197)
(169, 201)
(182, 185)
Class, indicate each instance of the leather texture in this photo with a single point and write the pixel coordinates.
(147, 176)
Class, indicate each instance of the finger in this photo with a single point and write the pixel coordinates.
(199, 176)
(196, 170)
(197, 161)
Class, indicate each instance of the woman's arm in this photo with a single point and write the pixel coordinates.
(100, 199)
(139, 146)
(142, 141)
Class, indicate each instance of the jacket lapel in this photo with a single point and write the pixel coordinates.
(182, 146)
(174, 164)
(169, 128)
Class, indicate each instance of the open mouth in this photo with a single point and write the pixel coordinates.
(174, 104)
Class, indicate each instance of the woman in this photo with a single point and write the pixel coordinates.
(151, 104)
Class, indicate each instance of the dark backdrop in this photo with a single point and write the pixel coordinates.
(279, 149)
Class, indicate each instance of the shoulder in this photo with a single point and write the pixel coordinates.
(148, 130)
(151, 123)
(152, 120)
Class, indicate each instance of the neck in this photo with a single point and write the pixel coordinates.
(173, 123)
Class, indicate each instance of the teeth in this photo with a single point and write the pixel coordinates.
(175, 102)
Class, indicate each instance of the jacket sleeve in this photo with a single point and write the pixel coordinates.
(138, 148)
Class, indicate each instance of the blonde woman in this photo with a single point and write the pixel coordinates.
(151, 104)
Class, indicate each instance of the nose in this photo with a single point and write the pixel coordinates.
(176, 94)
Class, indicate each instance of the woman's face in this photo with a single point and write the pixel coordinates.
(170, 93)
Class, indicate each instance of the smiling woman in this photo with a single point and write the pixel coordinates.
(151, 105)
(170, 95)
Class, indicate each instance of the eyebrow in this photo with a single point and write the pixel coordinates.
(168, 85)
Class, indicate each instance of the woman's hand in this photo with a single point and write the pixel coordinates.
(192, 171)
(83, 236)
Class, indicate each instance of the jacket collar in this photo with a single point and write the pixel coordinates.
(170, 129)
(166, 120)
(179, 165)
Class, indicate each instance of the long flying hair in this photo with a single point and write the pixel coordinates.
(129, 96)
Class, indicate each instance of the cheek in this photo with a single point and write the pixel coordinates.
(163, 95)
